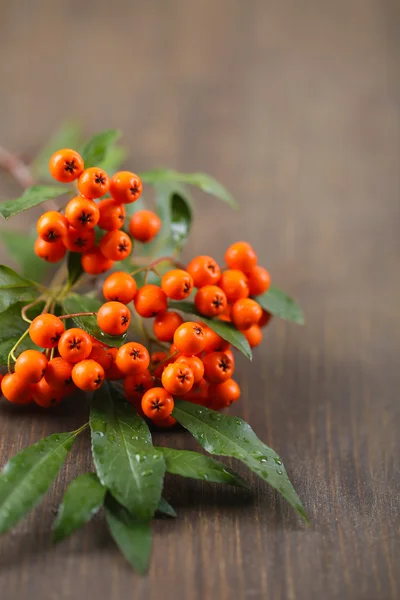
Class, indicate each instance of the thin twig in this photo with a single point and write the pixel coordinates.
(16, 167)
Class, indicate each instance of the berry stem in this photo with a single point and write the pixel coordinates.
(11, 355)
(16, 167)
(152, 265)
(81, 314)
(29, 306)
(167, 358)
(80, 429)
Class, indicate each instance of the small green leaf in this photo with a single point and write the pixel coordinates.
(20, 248)
(32, 196)
(226, 435)
(133, 537)
(198, 466)
(75, 270)
(76, 303)
(166, 509)
(280, 304)
(82, 500)
(12, 326)
(28, 475)
(226, 330)
(14, 288)
(69, 135)
(181, 220)
(126, 461)
(96, 149)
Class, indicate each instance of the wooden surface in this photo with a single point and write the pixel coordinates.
(294, 106)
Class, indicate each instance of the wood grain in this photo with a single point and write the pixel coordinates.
(295, 106)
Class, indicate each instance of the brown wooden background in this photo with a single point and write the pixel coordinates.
(295, 107)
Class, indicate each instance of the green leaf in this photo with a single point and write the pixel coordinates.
(166, 509)
(96, 149)
(12, 326)
(225, 329)
(28, 475)
(20, 248)
(226, 435)
(14, 288)
(75, 270)
(181, 220)
(280, 304)
(76, 303)
(133, 537)
(82, 500)
(69, 135)
(126, 461)
(198, 466)
(32, 196)
(113, 160)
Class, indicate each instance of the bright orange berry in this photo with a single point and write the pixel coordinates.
(101, 356)
(177, 284)
(82, 213)
(125, 187)
(235, 284)
(214, 342)
(204, 271)
(88, 375)
(265, 318)
(189, 338)
(93, 183)
(112, 214)
(259, 280)
(253, 335)
(113, 373)
(58, 373)
(195, 364)
(144, 226)
(116, 245)
(210, 301)
(52, 226)
(66, 165)
(136, 385)
(241, 256)
(44, 395)
(165, 324)
(218, 367)
(198, 394)
(150, 300)
(53, 252)
(79, 240)
(75, 345)
(177, 379)
(245, 313)
(221, 395)
(114, 318)
(31, 366)
(132, 358)
(94, 262)
(45, 330)
(120, 287)
(15, 389)
(157, 404)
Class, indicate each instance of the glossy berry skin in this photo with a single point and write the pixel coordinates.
(144, 226)
(94, 262)
(52, 253)
(199, 393)
(214, 342)
(82, 213)
(157, 404)
(222, 395)
(177, 379)
(195, 364)
(165, 324)
(241, 256)
(265, 318)
(31, 366)
(113, 373)
(66, 165)
(15, 389)
(259, 280)
(58, 373)
(132, 358)
(177, 284)
(119, 287)
(218, 367)
(189, 338)
(210, 301)
(204, 271)
(79, 240)
(136, 385)
(167, 423)
(45, 330)
(112, 214)
(52, 226)
(235, 285)
(253, 335)
(245, 313)
(93, 183)
(125, 187)
(74, 345)
(150, 300)
(116, 245)
(114, 318)
(88, 375)
(44, 395)
(100, 355)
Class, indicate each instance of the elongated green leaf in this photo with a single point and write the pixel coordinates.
(75, 269)
(181, 220)
(32, 196)
(95, 150)
(82, 500)
(226, 330)
(69, 135)
(12, 326)
(126, 461)
(280, 304)
(226, 435)
(198, 466)
(20, 248)
(14, 288)
(28, 475)
(133, 537)
(166, 509)
(76, 303)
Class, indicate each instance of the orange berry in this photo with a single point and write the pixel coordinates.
(132, 358)
(165, 324)
(241, 256)
(113, 373)
(114, 318)
(198, 394)
(265, 318)
(159, 362)
(210, 301)
(235, 285)
(100, 355)
(259, 280)
(112, 214)
(58, 373)
(195, 364)
(88, 375)
(150, 300)
(93, 183)
(137, 384)
(79, 240)
(31, 366)
(177, 378)
(214, 341)
(53, 252)
(120, 287)
(125, 187)
(157, 404)
(253, 335)
(75, 345)
(189, 338)
(204, 271)
(66, 165)
(245, 313)
(44, 395)
(167, 423)
(15, 389)
(116, 245)
(144, 225)
(52, 226)
(94, 262)
(45, 330)
(223, 394)
(218, 367)
(177, 284)
(82, 213)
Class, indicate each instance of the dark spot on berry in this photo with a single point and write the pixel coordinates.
(75, 343)
(198, 331)
(140, 388)
(85, 217)
(134, 190)
(211, 267)
(224, 365)
(52, 236)
(156, 404)
(70, 166)
(99, 179)
(186, 287)
(183, 377)
(55, 338)
(121, 217)
(123, 247)
(135, 353)
(80, 242)
(68, 381)
(53, 401)
(217, 302)
(98, 381)
(124, 320)
(43, 372)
